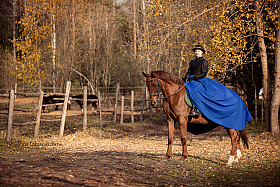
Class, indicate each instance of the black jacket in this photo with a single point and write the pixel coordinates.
(198, 67)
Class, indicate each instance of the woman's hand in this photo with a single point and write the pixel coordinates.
(192, 78)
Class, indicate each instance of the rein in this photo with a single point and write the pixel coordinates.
(158, 93)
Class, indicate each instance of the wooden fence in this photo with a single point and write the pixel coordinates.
(85, 113)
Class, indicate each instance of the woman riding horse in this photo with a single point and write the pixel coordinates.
(219, 105)
(198, 69)
(213, 99)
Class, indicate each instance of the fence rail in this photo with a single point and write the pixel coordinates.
(66, 98)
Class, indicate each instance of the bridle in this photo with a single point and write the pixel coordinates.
(158, 92)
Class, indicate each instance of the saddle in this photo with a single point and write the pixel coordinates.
(195, 112)
(188, 101)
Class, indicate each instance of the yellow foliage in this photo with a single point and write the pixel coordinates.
(174, 27)
(234, 25)
(35, 38)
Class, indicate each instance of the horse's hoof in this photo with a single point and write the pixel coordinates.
(180, 161)
(230, 161)
(228, 164)
(165, 158)
(238, 154)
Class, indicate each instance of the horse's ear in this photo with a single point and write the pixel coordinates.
(145, 74)
(154, 75)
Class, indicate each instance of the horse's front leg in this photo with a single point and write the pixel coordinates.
(171, 132)
(183, 132)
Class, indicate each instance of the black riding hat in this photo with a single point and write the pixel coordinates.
(200, 47)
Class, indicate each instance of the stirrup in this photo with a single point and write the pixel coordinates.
(195, 112)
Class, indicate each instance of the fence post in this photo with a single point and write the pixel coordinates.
(142, 107)
(63, 116)
(116, 103)
(122, 108)
(157, 109)
(15, 90)
(10, 117)
(132, 107)
(84, 108)
(100, 111)
(147, 97)
(151, 111)
(38, 117)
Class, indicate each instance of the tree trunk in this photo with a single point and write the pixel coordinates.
(14, 33)
(53, 47)
(276, 94)
(134, 28)
(266, 80)
(73, 33)
(90, 26)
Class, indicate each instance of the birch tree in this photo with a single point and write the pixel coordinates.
(276, 94)
(263, 54)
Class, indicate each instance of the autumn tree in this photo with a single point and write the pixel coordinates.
(237, 33)
(36, 45)
(75, 39)
(240, 26)
(103, 39)
(10, 11)
(31, 44)
(173, 28)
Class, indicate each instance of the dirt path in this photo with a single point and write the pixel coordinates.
(130, 155)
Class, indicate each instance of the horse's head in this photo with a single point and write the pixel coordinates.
(154, 87)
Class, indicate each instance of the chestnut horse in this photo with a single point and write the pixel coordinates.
(176, 109)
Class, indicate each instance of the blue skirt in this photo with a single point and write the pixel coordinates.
(218, 103)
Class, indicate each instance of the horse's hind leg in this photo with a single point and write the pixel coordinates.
(238, 151)
(234, 142)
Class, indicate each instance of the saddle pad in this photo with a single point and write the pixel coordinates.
(188, 101)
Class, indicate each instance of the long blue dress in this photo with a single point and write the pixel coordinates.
(218, 103)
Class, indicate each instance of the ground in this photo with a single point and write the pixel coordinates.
(130, 155)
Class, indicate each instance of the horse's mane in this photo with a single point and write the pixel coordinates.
(167, 76)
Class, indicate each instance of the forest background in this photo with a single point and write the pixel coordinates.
(105, 42)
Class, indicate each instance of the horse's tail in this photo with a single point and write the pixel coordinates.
(244, 137)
